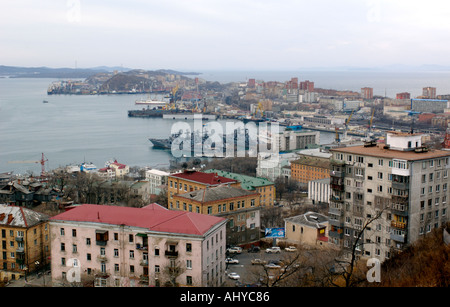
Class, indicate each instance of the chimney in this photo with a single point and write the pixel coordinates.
(10, 218)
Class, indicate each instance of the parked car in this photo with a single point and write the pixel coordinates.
(274, 249)
(273, 266)
(291, 249)
(234, 250)
(233, 275)
(258, 261)
(231, 261)
(254, 249)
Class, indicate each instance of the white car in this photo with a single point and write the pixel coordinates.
(234, 250)
(272, 266)
(231, 261)
(234, 275)
(274, 249)
(291, 249)
(258, 261)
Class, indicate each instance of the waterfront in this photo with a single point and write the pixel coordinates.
(71, 129)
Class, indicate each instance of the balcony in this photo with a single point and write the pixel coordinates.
(398, 225)
(400, 199)
(102, 258)
(144, 262)
(337, 174)
(335, 211)
(398, 238)
(400, 209)
(141, 247)
(337, 187)
(19, 239)
(171, 254)
(400, 185)
(334, 198)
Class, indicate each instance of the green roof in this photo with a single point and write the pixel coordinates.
(247, 182)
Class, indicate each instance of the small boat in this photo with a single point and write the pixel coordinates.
(45, 101)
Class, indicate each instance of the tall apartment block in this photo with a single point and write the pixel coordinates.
(429, 92)
(405, 181)
(367, 93)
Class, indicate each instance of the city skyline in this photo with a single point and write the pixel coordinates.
(234, 35)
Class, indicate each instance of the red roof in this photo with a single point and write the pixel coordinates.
(152, 217)
(205, 178)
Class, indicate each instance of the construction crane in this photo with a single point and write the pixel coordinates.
(42, 162)
(260, 109)
(346, 124)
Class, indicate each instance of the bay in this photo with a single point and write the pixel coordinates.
(71, 129)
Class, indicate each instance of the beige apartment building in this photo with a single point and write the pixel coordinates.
(405, 182)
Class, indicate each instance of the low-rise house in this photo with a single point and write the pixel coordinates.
(130, 247)
(25, 245)
(310, 228)
(120, 169)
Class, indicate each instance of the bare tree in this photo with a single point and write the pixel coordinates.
(348, 270)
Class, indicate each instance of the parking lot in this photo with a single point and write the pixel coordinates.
(250, 274)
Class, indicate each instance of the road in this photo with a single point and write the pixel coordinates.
(249, 274)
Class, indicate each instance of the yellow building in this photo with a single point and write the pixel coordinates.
(263, 186)
(191, 180)
(25, 245)
(310, 228)
(308, 168)
(239, 206)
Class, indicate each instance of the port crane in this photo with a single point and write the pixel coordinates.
(42, 162)
(338, 140)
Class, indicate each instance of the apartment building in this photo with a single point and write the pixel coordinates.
(402, 181)
(191, 180)
(289, 140)
(263, 186)
(308, 168)
(240, 207)
(113, 246)
(157, 180)
(25, 245)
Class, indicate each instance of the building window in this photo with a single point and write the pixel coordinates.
(61, 231)
(189, 264)
(188, 247)
(74, 232)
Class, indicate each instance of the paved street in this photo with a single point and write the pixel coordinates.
(249, 274)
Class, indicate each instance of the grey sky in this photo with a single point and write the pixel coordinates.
(224, 34)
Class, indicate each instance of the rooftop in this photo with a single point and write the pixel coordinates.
(152, 217)
(247, 182)
(380, 151)
(201, 177)
(20, 217)
(216, 193)
(312, 219)
(313, 161)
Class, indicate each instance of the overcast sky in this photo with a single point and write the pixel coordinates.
(224, 34)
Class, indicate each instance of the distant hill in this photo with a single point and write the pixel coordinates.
(47, 72)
